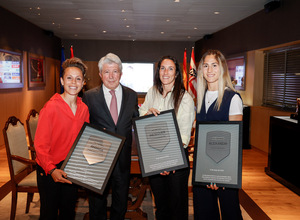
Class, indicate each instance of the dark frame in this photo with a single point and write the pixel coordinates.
(36, 71)
(150, 158)
(238, 61)
(17, 56)
(227, 170)
(93, 176)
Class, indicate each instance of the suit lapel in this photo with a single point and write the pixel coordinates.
(123, 105)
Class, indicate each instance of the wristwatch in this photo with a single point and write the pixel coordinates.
(51, 171)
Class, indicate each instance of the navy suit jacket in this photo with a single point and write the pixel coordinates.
(100, 116)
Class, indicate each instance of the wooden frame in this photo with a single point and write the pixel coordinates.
(11, 74)
(36, 71)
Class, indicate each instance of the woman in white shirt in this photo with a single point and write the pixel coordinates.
(170, 189)
(217, 100)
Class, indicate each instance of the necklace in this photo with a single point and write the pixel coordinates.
(211, 96)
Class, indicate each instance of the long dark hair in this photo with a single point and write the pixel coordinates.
(178, 90)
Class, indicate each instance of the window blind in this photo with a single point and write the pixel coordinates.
(282, 77)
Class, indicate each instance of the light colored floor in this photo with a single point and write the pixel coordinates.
(278, 202)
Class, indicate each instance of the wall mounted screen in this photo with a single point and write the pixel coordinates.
(236, 67)
(10, 70)
(138, 76)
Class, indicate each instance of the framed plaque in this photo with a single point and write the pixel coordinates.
(159, 143)
(218, 154)
(93, 157)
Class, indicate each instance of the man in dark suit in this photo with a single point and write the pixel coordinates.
(113, 111)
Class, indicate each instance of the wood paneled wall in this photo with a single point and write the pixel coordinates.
(18, 102)
(260, 125)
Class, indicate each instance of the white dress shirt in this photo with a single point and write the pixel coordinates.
(108, 96)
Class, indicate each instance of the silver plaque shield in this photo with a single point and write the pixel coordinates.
(96, 149)
(218, 145)
(157, 135)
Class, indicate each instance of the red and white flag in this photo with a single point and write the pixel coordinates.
(72, 52)
(184, 72)
(192, 77)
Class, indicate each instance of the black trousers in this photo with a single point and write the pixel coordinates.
(119, 182)
(171, 194)
(206, 204)
(58, 200)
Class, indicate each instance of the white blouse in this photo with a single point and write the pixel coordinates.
(185, 115)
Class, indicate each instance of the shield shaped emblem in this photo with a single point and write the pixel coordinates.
(157, 135)
(96, 149)
(218, 145)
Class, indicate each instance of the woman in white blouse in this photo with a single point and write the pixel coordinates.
(170, 189)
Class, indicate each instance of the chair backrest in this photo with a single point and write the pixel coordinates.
(31, 122)
(16, 144)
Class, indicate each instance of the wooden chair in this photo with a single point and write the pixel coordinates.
(23, 178)
(31, 125)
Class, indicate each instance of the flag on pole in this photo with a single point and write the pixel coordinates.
(62, 59)
(184, 72)
(72, 52)
(192, 77)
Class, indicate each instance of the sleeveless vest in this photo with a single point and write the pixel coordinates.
(212, 113)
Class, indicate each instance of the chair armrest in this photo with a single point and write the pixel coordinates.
(23, 160)
(31, 148)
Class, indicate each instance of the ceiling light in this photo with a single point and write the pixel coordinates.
(53, 22)
(39, 14)
(216, 12)
(75, 35)
(78, 19)
(123, 10)
(195, 28)
(189, 37)
(127, 26)
(176, 0)
(162, 32)
(167, 20)
(124, 19)
(104, 32)
(38, 8)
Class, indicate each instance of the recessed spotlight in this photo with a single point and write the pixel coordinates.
(123, 10)
(38, 8)
(53, 23)
(78, 19)
(176, 0)
(162, 32)
(30, 8)
(216, 12)
(104, 32)
(189, 37)
(167, 20)
(124, 19)
(127, 26)
(195, 28)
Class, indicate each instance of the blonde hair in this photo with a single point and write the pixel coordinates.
(224, 79)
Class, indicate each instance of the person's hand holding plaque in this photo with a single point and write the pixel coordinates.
(153, 111)
(60, 176)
